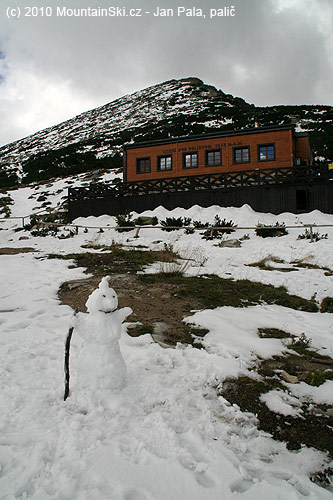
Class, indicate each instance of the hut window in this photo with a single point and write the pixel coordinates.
(266, 152)
(190, 160)
(242, 155)
(213, 158)
(164, 163)
(142, 165)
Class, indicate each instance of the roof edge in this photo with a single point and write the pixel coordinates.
(209, 135)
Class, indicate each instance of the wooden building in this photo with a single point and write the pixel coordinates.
(250, 149)
(271, 169)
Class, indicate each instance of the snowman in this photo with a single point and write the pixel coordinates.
(101, 366)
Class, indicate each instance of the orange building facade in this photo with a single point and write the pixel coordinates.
(256, 148)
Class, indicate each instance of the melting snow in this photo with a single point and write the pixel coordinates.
(166, 435)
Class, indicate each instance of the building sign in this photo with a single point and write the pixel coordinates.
(205, 146)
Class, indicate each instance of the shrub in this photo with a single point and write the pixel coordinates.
(199, 224)
(271, 231)
(300, 344)
(45, 231)
(124, 222)
(146, 221)
(5, 201)
(173, 223)
(326, 305)
(32, 223)
(316, 236)
(196, 224)
(218, 233)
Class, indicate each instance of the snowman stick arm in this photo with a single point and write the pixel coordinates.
(66, 364)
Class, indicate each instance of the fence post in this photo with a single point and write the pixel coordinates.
(311, 234)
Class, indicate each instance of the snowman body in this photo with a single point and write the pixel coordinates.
(101, 366)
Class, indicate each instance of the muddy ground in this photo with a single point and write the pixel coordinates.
(15, 251)
(157, 306)
(160, 307)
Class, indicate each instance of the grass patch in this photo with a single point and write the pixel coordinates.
(119, 260)
(266, 231)
(318, 377)
(311, 430)
(213, 291)
(300, 344)
(109, 248)
(265, 264)
(306, 265)
(272, 333)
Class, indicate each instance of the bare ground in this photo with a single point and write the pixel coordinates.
(157, 307)
(15, 251)
(161, 310)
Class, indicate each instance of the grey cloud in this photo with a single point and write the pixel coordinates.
(262, 54)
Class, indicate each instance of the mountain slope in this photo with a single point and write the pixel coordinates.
(93, 139)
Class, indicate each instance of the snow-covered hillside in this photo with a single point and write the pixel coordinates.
(169, 434)
(187, 106)
(100, 130)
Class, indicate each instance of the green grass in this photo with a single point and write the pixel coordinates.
(318, 377)
(213, 291)
(118, 260)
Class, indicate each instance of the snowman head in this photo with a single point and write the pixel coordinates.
(103, 299)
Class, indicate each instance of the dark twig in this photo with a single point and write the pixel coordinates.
(66, 365)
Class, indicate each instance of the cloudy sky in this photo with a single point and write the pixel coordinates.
(55, 66)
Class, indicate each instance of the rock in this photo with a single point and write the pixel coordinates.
(160, 327)
(159, 339)
(318, 412)
(133, 326)
(230, 244)
(24, 238)
(329, 412)
(73, 286)
(291, 379)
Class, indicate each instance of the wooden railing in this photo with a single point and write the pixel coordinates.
(244, 178)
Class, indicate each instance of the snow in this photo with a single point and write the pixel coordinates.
(320, 395)
(281, 402)
(166, 434)
(101, 366)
